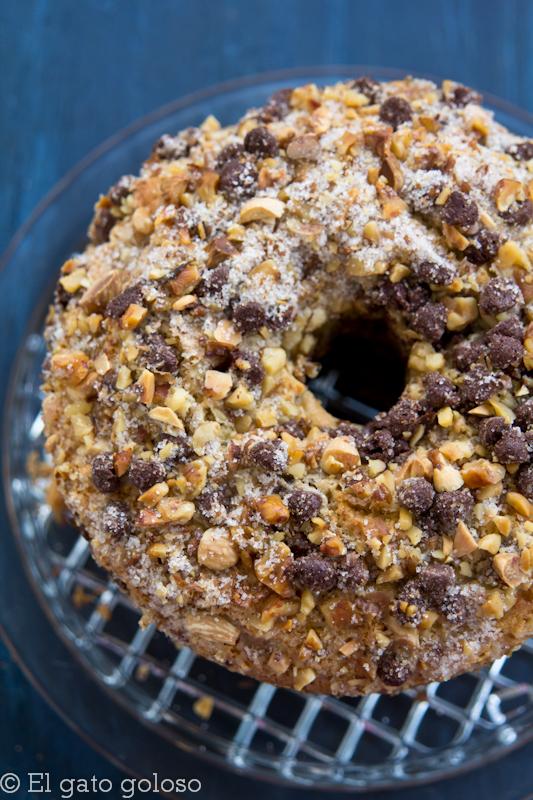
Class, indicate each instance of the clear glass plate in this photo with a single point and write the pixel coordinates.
(254, 728)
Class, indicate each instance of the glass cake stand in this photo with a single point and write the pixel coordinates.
(255, 729)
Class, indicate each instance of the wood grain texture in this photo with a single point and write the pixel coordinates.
(75, 72)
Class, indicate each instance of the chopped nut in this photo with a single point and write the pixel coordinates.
(186, 301)
(447, 478)
(241, 398)
(303, 678)
(270, 569)
(185, 281)
(477, 474)
(142, 221)
(97, 296)
(506, 193)
(157, 550)
(227, 335)
(146, 384)
(391, 170)
(445, 417)
(133, 316)
(167, 416)
(493, 606)
(462, 311)
(313, 640)
(273, 360)
(216, 551)
(463, 543)
(303, 147)
(217, 384)
(122, 461)
(278, 663)
(214, 629)
(203, 707)
(74, 366)
(490, 542)
(172, 509)
(340, 455)
(272, 509)
(520, 504)
(262, 209)
(507, 565)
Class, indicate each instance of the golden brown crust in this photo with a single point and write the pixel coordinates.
(242, 518)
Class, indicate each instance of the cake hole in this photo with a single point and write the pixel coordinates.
(363, 372)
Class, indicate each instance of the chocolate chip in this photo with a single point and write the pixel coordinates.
(268, 455)
(312, 572)
(468, 352)
(416, 494)
(352, 572)
(368, 87)
(211, 504)
(407, 296)
(463, 95)
(117, 520)
(261, 142)
(512, 447)
(215, 281)
(478, 385)
(410, 604)
(249, 317)
(440, 391)
(459, 210)
(231, 151)
(456, 608)
(491, 430)
(102, 225)
(295, 427)
(509, 327)
(103, 474)
(355, 432)
(144, 474)
(524, 481)
(396, 664)
(450, 507)
(430, 321)
(380, 444)
(278, 318)
(238, 180)
(277, 107)
(483, 248)
(505, 351)
(170, 148)
(519, 213)
(438, 274)
(160, 357)
(249, 364)
(434, 581)
(121, 189)
(303, 506)
(498, 295)
(522, 151)
(395, 111)
(402, 418)
(524, 413)
(298, 543)
(119, 304)
(181, 450)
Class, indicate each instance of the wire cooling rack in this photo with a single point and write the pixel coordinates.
(316, 741)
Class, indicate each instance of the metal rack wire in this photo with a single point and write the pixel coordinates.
(348, 743)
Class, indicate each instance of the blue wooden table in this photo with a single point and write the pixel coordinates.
(75, 72)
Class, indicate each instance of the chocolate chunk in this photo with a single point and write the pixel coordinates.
(467, 353)
(522, 151)
(103, 474)
(450, 507)
(170, 148)
(119, 304)
(160, 357)
(440, 391)
(117, 520)
(249, 364)
(249, 317)
(511, 448)
(368, 87)
(268, 455)
(144, 474)
(458, 210)
(295, 427)
(380, 444)
(407, 296)
(298, 543)
(215, 281)
(463, 95)
(121, 189)
(279, 319)
(434, 581)
(456, 608)
(430, 321)
(483, 248)
(410, 604)
(395, 111)
(352, 572)
(229, 153)
(102, 225)
(238, 180)
(277, 107)
(524, 481)
(181, 452)
(505, 351)
(438, 274)
(211, 504)
(524, 413)
(509, 327)
(519, 213)
(312, 572)
(498, 295)
(396, 664)
(355, 432)
(261, 142)
(416, 494)
(491, 430)
(402, 418)
(478, 385)
(303, 506)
